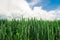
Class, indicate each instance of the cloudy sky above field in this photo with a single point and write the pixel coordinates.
(45, 4)
(45, 9)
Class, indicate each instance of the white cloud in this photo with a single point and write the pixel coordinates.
(19, 8)
(14, 7)
(33, 2)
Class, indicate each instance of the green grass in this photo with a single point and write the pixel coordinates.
(29, 30)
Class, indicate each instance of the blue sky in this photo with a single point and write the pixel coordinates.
(47, 4)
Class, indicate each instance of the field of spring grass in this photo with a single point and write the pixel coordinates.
(29, 30)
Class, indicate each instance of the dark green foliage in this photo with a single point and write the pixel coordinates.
(29, 30)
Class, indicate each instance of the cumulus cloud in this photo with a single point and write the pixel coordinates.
(47, 15)
(33, 2)
(15, 8)
(19, 8)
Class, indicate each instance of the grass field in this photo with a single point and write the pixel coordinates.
(29, 30)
